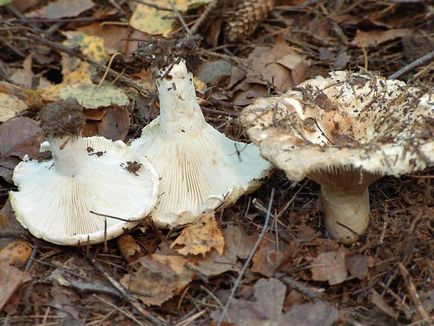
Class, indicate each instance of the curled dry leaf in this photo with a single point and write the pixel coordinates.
(129, 248)
(200, 237)
(157, 278)
(330, 266)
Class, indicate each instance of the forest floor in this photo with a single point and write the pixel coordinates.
(298, 275)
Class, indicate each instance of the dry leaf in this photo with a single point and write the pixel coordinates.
(237, 245)
(129, 248)
(358, 266)
(267, 259)
(16, 253)
(10, 106)
(121, 39)
(158, 278)
(266, 309)
(330, 266)
(62, 8)
(20, 136)
(155, 21)
(115, 124)
(200, 238)
(11, 279)
(319, 313)
(373, 38)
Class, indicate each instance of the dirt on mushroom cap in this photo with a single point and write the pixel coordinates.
(62, 118)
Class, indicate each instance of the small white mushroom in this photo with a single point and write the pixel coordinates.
(87, 193)
(345, 132)
(200, 168)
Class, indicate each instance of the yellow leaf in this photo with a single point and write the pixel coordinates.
(10, 106)
(201, 237)
(160, 21)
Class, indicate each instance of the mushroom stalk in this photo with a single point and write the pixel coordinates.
(346, 213)
(179, 109)
(67, 155)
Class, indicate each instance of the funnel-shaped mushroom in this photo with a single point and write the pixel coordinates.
(345, 132)
(77, 196)
(199, 168)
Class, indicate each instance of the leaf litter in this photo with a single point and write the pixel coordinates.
(361, 284)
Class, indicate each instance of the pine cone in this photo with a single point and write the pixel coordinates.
(247, 16)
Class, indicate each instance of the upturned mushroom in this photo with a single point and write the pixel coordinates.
(345, 132)
(200, 168)
(90, 191)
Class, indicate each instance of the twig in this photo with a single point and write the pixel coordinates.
(412, 291)
(283, 210)
(300, 287)
(84, 287)
(247, 262)
(179, 16)
(204, 16)
(125, 313)
(427, 57)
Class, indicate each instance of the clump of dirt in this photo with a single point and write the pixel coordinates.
(62, 118)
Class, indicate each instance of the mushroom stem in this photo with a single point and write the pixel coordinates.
(179, 109)
(346, 213)
(66, 157)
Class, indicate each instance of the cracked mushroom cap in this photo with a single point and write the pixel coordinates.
(76, 197)
(200, 169)
(344, 132)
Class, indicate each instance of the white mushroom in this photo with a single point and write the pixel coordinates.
(87, 193)
(200, 168)
(345, 132)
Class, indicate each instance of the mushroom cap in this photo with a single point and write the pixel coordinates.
(110, 180)
(358, 126)
(200, 168)
(198, 171)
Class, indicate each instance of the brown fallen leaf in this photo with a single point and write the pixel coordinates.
(10, 106)
(318, 313)
(358, 265)
(157, 278)
(267, 259)
(330, 266)
(266, 309)
(20, 136)
(237, 245)
(200, 238)
(374, 38)
(62, 8)
(129, 248)
(11, 279)
(115, 123)
(16, 253)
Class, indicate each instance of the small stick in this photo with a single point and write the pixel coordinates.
(179, 16)
(427, 57)
(247, 262)
(412, 291)
(300, 287)
(125, 313)
(203, 16)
